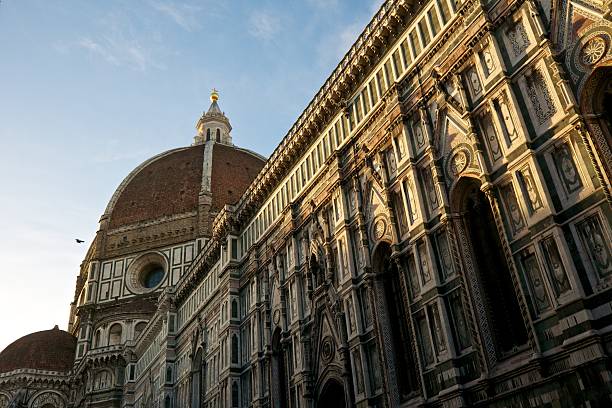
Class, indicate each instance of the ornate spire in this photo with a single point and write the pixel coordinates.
(214, 106)
(213, 124)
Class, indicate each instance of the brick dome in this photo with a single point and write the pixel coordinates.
(50, 350)
(170, 183)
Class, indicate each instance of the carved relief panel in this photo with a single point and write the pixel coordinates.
(517, 37)
(546, 272)
(541, 98)
(567, 170)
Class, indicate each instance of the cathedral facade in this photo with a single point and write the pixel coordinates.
(433, 231)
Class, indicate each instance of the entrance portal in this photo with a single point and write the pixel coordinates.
(500, 299)
(332, 396)
(596, 106)
(279, 375)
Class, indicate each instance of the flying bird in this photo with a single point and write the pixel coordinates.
(79, 241)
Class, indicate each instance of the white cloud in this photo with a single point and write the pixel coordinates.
(185, 15)
(323, 4)
(99, 49)
(264, 25)
(120, 51)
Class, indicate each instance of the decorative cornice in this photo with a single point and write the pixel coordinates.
(327, 102)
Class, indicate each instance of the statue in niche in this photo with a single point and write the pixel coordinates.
(350, 314)
(391, 161)
(492, 137)
(424, 265)
(428, 354)
(475, 82)
(593, 237)
(419, 135)
(440, 343)
(430, 187)
(567, 169)
(316, 270)
(507, 117)
(411, 199)
(488, 60)
(445, 256)
(530, 264)
(513, 208)
(553, 260)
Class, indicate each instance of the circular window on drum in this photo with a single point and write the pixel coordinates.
(146, 273)
(152, 276)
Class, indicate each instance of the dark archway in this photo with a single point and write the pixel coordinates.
(596, 107)
(196, 380)
(279, 372)
(501, 302)
(332, 395)
(399, 315)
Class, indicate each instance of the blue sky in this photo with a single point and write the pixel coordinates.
(90, 89)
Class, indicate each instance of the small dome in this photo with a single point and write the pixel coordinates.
(49, 350)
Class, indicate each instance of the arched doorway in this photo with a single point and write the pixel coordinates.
(332, 395)
(596, 106)
(279, 372)
(398, 319)
(483, 248)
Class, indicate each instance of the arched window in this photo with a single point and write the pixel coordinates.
(234, 309)
(168, 375)
(235, 395)
(138, 329)
(218, 135)
(167, 402)
(207, 135)
(98, 339)
(103, 380)
(114, 334)
(234, 349)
